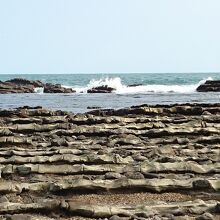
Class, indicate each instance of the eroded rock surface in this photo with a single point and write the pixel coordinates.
(143, 162)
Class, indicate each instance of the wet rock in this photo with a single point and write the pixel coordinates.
(57, 88)
(134, 85)
(19, 85)
(93, 107)
(166, 159)
(186, 110)
(101, 89)
(217, 208)
(20, 81)
(209, 86)
(201, 184)
(24, 170)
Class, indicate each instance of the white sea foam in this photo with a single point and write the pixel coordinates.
(39, 90)
(120, 88)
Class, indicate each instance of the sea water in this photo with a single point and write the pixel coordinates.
(152, 88)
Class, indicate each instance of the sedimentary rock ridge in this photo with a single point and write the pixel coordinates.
(19, 85)
(143, 162)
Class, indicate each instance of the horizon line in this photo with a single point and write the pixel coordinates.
(109, 73)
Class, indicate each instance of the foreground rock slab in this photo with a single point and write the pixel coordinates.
(142, 162)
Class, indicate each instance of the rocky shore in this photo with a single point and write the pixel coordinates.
(19, 85)
(142, 162)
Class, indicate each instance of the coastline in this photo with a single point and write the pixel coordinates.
(158, 161)
(73, 94)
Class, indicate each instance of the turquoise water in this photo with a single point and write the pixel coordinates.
(148, 78)
(164, 88)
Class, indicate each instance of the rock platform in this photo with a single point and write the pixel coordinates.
(142, 162)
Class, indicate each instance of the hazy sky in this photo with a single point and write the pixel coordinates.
(84, 36)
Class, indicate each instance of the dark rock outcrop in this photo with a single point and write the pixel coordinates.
(209, 86)
(134, 85)
(19, 85)
(101, 89)
(93, 107)
(57, 88)
(26, 82)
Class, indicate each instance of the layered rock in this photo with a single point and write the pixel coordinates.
(209, 86)
(143, 162)
(19, 85)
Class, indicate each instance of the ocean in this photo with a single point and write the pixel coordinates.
(155, 88)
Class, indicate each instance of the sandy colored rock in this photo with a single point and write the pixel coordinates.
(138, 162)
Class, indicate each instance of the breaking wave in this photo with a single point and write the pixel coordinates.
(39, 90)
(121, 88)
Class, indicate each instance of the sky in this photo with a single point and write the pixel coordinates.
(109, 36)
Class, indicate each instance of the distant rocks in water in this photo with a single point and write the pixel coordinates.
(93, 107)
(19, 85)
(57, 88)
(209, 86)
(25, 82)
(101, 89)
(134, 85)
